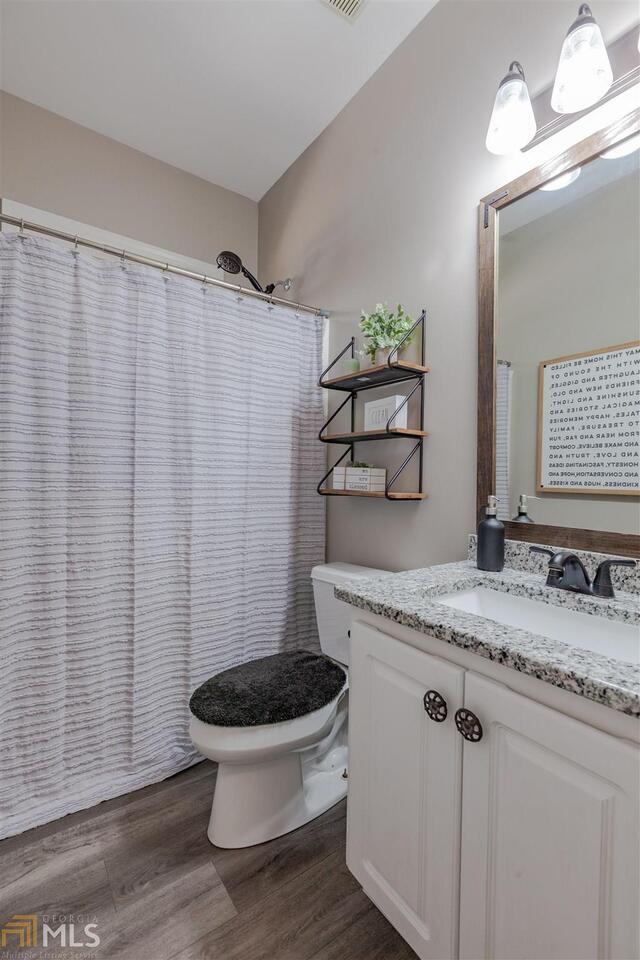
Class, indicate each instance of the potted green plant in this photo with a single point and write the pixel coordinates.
(383, 329)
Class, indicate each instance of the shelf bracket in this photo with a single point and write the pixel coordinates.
(347, 452)
(351, 346)
(387, 489)
(349, 398)
(419, 385)
(419, 323)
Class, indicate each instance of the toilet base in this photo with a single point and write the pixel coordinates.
(256, 802)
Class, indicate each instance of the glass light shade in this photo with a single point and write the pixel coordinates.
(622, 149)
(512, 123)
(559, 183)
(584, 73)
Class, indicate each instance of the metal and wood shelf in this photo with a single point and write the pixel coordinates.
(393, 371)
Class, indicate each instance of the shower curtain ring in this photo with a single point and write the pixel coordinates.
(240, 297)
(204, 283)
(22, 226)
(75, 250)
(122, 258)
(165, 271)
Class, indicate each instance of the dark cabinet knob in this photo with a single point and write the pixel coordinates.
(468, 725)
(435, 705)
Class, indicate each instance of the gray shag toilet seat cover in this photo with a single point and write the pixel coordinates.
(269, 690)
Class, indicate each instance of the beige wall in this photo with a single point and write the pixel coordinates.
(568, 283)
(383, 206)
(56, 165)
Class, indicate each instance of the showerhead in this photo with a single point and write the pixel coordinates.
(231, 263)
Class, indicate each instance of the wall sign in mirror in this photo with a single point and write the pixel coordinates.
(588, 416)
(558, 348)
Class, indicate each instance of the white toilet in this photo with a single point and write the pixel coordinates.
(274, 777)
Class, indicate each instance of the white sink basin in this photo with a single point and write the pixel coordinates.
(621, 641)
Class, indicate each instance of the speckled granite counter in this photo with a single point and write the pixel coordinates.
(411, 599)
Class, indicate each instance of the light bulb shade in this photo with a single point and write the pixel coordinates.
(584, 73)
(512, 123)
(622, 149)
(562, 181)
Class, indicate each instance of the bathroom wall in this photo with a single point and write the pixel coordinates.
(383, 206)
(51, 163)
(569, 283)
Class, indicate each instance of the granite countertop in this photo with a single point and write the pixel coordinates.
(410, 598)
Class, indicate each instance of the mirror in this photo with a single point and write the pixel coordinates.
(565, 279)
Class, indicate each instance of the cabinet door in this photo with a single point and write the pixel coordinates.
(404, 789)
(549, 834)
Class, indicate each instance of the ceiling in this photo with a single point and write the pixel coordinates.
(230, 90)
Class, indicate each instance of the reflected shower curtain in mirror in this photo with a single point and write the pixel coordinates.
(159, 516)
(503, 437)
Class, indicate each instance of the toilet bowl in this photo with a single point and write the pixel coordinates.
(276, 776)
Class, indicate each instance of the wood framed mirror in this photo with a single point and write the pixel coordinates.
(533, 245)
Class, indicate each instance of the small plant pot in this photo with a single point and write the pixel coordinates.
(382, 355)
(351, 365)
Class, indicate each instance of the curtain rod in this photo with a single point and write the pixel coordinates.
(158, 264)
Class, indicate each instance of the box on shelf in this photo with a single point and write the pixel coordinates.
(378, 412)
(364, 479)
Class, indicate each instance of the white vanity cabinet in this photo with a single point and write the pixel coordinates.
(549, 834)
(404, 789)
(520, 844)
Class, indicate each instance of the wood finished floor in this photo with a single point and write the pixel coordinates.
(141, 867)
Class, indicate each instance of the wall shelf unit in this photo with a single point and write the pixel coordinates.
(376, 376)
(328, 492)
(373, 435)
(391, 372)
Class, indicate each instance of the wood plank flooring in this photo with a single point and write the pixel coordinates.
(142, 869)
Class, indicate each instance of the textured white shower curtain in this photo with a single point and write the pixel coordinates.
(158, 513)
(504, 374)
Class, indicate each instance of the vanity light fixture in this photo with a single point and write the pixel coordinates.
(512, 123)
(563, 180)
(622, 149)
(584, 72)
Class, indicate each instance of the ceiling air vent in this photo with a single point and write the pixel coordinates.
(349, 9)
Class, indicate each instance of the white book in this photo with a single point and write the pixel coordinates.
(367, 473)
(377, 413)
(339, 477)
(365, 485)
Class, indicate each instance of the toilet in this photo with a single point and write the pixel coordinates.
(277, 727)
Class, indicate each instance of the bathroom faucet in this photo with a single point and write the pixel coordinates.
(568, 572)
(602, 586)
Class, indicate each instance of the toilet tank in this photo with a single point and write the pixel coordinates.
(333, 615)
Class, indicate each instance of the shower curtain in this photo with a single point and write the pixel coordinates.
(158, 513)
(504, 374)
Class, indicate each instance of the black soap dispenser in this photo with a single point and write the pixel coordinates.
(491, 539)
(523, 511)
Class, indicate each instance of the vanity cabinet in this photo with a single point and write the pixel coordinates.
(519, 842)
(549, 834)
(405, 786)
